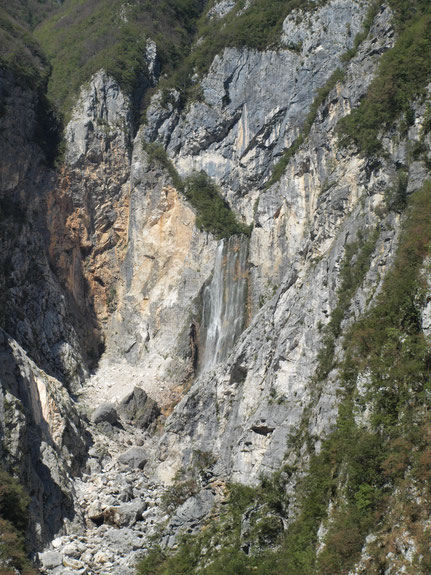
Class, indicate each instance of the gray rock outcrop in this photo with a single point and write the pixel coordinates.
(139, 409)
(105, 413)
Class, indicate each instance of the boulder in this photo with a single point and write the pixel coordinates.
(125, 515)
(135, 458)
(105, 413)
(139, 409)
(51, 559)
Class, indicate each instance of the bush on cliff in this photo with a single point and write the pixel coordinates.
(14, 503)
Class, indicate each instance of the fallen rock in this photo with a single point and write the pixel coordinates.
(51, 559)
(102, 557)
(72, 550)
(121, 541)
(193, 510)
(73, 564)
(135, 458)
(125, 515)
(139, 409)
(105, 413)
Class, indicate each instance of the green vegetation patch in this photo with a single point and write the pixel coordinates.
(213, 213)
(84, 36)
(30, 12)
(403, 74)
(14, 503)
(257, 27)
(20, 53)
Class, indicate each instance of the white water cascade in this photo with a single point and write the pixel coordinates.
(224, 301)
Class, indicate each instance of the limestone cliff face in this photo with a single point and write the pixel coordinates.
(123, 282)
(43, 440)
(246, 410)
(254, 103)
(88, 210)
(154, 327)
(34, 310)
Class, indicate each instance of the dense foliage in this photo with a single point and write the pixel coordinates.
(20, 53)
(403, 74)
(213, 213)
(13, 525)
(85, 36)
(30, 12)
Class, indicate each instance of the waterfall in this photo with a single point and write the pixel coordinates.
(224, 300)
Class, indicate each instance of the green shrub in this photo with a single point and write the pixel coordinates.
(176, 494)
(213, 212)
(403, 74)
(83, 37)
(30, 12)
(396, 196)
(14, 518)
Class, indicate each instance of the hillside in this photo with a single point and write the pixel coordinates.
(215, 229)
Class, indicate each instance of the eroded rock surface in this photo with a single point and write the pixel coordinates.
(146, 443)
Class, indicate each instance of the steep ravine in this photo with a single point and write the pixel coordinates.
(146, 363)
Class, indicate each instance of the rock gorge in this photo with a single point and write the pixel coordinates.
(150, 366)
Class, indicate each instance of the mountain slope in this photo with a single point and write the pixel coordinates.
(264, 394)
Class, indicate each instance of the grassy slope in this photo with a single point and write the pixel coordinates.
(19, 51)
(86, 35)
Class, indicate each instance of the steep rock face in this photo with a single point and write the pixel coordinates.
(89, 209)
(43, 439)
(168, 260)
(254, 103)
(152, 334)
(131, 255)
(302, 213)
(247, 410)
(34, 309)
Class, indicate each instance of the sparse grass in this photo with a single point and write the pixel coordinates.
(354, 268)
(280, 167)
